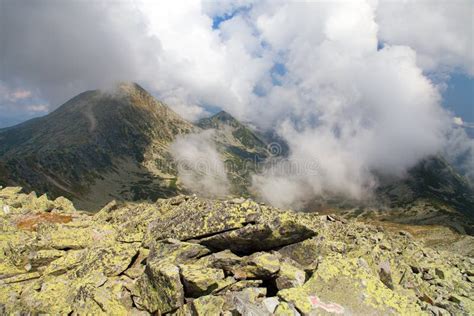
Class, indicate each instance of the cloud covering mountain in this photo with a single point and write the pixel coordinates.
(345, 83)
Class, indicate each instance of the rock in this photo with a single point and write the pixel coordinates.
(176, 251)
(338, 287)
(43, 204)
(20, 278)
(10, 192)
(437, 311)
(191, 256)
(224, 260)
(259, 265)
(385, 274)
(240, 229)
(159, 288)
(44, 257)
(200, 281)
(243, 284)
(339, 247)
(257, 237)
(63, 205)
(66, 237)
(208, 305)
(439, 273)
(69, 261)
(271, 303)
(454, 299)
(237, 200)
(248, 302)
(305, 253)
(427, 276)
(289, 275)
(137, 268)
(285, 309)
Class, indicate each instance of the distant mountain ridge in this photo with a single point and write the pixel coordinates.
(104, 145)
(242, 150)
(100, 146)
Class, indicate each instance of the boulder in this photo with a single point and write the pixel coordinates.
(290, 275)
(159, 289)
(208, 306)
(260, 265)
(200, 281)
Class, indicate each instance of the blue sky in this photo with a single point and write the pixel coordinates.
(459, 96)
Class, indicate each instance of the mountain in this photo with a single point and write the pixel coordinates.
(431, 179)
(97, 146)
(246, 138)
(431, 193)
(193, 256)
(103, 145)
(241, 149)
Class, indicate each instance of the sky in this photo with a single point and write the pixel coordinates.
(458, 96)
(358, 86)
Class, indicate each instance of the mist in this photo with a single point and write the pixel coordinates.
(200, 167)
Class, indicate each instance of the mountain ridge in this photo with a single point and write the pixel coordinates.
(101, 146)
(95, 132)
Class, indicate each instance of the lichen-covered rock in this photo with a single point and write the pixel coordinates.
(260, 236)
(208, 306)
(225, 260)
(340, 286)
(290, 275)
(192, 256)
(244, 228)
(306, 252)
(200, 281)
(63, 205)
(260, 265)
(285, 309)
(159, 288)
(176, 251)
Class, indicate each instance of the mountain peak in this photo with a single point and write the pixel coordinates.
(219, 120)
(94, 134)
(223, 116)
(130, 87)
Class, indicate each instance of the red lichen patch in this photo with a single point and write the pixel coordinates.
(31, 222)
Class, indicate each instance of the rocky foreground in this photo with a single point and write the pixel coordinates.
(192, 256)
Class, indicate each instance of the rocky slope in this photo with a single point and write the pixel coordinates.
(431, 193)
(104, 145)
(242, 151)
(192, 256)
(97, 146)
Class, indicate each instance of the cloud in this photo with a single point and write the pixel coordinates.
(441, 32)
(67, 47)
(354, 108)
(16, 105)
(313, 71)
(200, 166)
(458, 121)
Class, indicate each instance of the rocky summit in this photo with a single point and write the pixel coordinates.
(192, 256)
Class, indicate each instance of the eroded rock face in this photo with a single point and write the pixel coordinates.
(192, 256)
